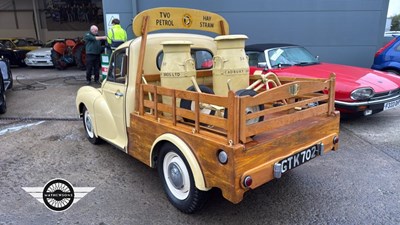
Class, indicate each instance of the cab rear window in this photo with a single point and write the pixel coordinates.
(202, 58)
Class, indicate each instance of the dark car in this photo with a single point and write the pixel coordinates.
(15, 49)
(387, 58)
(359, 91)
(15, 56)
(6, 82)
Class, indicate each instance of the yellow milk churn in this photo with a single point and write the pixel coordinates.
(178, 66)
(230, 63)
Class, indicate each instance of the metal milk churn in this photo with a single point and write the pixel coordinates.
(177, 66)
(230, 63)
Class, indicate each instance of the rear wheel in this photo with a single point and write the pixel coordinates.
(178, 182)
(88, 124)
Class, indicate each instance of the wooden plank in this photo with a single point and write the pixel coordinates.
(148, 104)
(213, 121)
(332, 93)
(164, 108)
(213, 99)
(142, 51)
(165, 91)
(152, 77)
(266, 112)
(223, 31)
(155, 105)
(242, 119)
(174, 108)
(197, 113)
(233, 118)
(188, 114)
(291, 79)
(141, 101)
(149, 88)
(282, 92)
(273, 123)
(181, 19)
(188, 95)
(283, 79)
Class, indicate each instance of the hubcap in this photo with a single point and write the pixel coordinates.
(175, 175)
(88, 124)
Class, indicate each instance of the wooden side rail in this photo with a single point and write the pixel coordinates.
(176, 114)
(288, 90)
(301, 94)
(307, 98)
(288, 79)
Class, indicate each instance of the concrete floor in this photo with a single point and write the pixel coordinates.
(359, 184)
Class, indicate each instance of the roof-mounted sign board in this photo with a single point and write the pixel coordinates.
(180, 18)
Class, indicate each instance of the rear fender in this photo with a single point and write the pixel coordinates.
(186, 151)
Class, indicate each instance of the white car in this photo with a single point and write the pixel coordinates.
(40, 56)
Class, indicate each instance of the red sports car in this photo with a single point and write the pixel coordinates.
(359, 91)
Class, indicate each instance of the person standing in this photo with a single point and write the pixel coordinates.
(116, 35)
(93, 51)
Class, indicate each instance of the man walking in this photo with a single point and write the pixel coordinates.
(116, 35)
(93, 50)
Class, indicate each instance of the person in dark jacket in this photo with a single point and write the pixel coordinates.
(93, 51)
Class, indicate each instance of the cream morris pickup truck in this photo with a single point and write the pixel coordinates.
(185, 104)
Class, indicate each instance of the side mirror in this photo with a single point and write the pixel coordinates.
(317, 57)
(262, 64)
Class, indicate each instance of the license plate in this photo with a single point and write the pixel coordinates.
(299, 158)
(391, 105)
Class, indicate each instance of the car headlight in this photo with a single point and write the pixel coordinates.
(29, 56)
(362, 94)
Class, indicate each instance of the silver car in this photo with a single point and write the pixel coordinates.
(40, 56)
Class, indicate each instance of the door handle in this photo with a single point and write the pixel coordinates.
(119, 94)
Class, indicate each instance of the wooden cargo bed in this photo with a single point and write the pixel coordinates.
(295, 100)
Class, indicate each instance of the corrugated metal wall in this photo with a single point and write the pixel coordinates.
(339, 31)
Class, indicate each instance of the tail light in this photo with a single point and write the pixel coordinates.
(384, 47)
(335, 140)
(247, 181)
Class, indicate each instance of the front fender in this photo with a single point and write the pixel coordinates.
(187, 152)
(86, 96)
